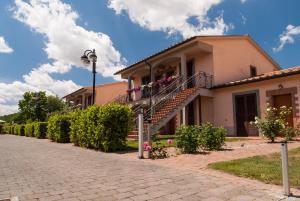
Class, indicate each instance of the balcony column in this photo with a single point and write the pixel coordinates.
(183, 74)
(129, 87)
(82, 101)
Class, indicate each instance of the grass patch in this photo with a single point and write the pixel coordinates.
(265, 168)
(134, 144)
(235, 139)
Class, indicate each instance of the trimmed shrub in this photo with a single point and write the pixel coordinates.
(7, 129)
(211, 137)
(29, 130)
(19, 129)
(101, 127)
(207, 137)
(4, 129)
(12, 129)
(115, 122)
(40, 130)
(187, 138)
(58, 128)
(78, 129)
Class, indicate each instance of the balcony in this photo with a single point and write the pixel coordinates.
(140, 95)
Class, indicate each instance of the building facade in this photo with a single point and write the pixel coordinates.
(226, 80)
(103, 94)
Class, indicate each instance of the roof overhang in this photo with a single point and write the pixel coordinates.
(167, 52)
(276, 74)
(187, 46)
(77, 92)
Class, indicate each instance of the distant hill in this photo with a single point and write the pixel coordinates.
(10, 117)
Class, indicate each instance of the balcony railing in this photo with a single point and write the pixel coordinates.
(158, 91)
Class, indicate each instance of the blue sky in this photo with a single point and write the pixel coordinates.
(40, 42)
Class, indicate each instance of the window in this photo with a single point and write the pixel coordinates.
(253, 71)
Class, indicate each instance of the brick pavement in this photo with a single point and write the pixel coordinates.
(34, 169)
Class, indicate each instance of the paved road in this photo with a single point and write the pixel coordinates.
(35, 169)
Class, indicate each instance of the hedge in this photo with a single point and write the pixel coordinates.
(40, 129)
(101, 127)
(12, 130)
(29, 130)
(58, 128)
(19, 129)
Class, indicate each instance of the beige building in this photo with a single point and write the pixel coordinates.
(226, 80)
(104, 94)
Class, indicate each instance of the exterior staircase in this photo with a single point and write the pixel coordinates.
(173, 99)
(172, 107)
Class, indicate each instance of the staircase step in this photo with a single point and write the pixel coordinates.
(169, 106)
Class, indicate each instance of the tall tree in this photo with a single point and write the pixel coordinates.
(33, 106)
(54, 104)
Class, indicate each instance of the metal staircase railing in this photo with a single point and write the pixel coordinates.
(156, 97)
(198, 80)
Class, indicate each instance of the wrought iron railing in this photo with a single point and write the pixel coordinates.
(198, 80)
(166, 93)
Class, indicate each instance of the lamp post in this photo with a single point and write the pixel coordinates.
(88, 57)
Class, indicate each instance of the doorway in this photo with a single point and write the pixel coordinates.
(190, 71)
(284, 100)
(245, 112)
(191, 113)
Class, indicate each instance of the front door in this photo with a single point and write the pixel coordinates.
(245, 112)
(284, 100)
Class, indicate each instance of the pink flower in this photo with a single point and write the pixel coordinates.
(170, 141)
(148, 148)
(145, 145)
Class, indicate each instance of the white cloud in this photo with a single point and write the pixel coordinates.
(65, 41)
(8, 109)
(4, 47)
(243, 1)
(173, 16)
(287, 37)
(37, 80)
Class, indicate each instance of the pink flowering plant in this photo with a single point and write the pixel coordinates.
(158, 148)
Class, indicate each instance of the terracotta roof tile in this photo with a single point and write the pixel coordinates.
(264, 76)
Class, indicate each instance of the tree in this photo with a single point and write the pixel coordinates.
(54, 104)
(33, 106)
(16, 118)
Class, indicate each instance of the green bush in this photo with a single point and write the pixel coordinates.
(6, 129)
(274, 123)
(29, 130)
(187, 138)
(207, 136)
(101, 127)
(40, 129)
(79, 134)
(211, 137)
(19, 129)
(12, 130)
(58, 128)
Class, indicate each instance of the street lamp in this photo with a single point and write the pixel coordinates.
(88, 57)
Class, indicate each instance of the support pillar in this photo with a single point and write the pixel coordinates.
(141, 135)
(183, 74)
(129, 87)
